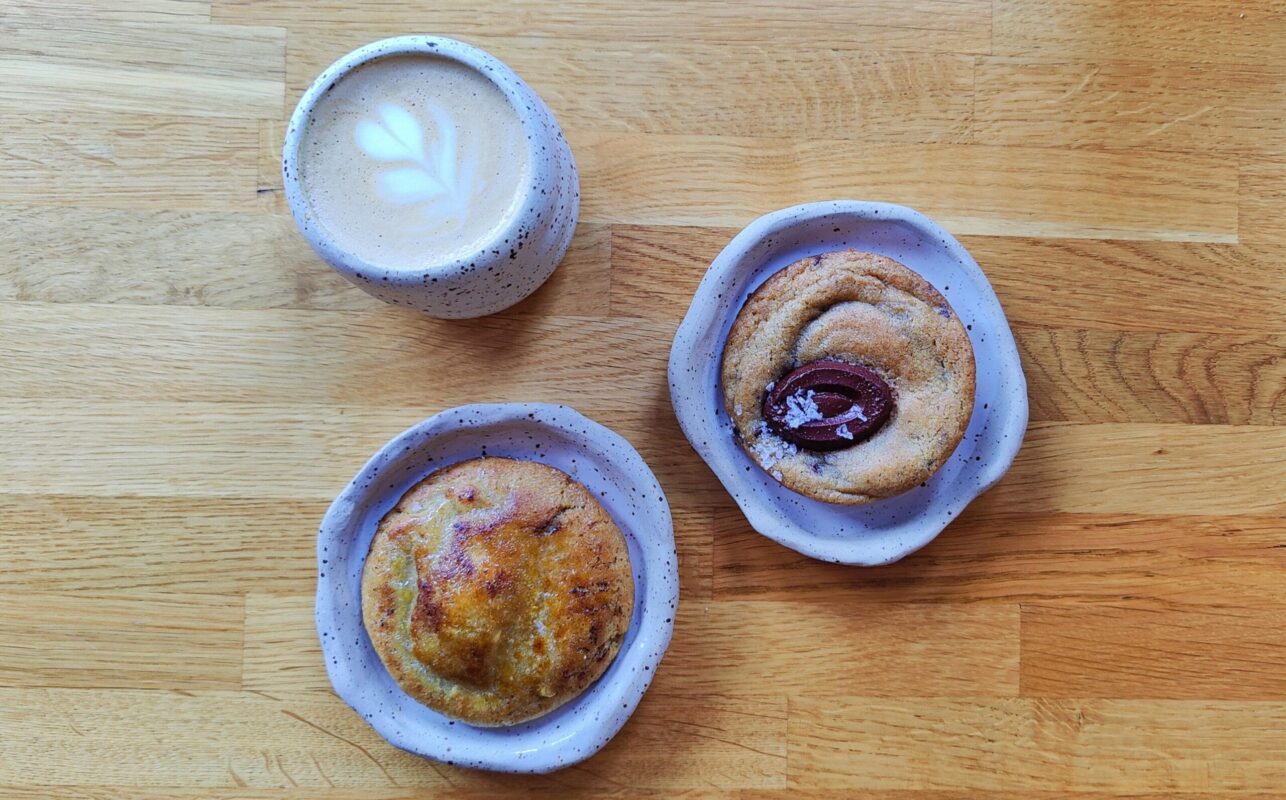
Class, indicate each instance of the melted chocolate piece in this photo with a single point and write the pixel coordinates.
(828, 405)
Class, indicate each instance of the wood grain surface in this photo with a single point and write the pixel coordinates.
(184, 386)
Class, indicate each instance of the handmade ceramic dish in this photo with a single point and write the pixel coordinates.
(889, 529)
(556, 435)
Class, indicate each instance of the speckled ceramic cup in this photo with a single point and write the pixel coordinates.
(430, 175)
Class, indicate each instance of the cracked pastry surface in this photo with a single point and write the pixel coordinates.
(866, 310)
(496, 590)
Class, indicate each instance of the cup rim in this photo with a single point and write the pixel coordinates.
(515, 90)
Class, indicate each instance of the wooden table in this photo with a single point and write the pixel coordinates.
(184, 387)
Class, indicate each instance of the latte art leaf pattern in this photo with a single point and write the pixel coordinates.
(397, 137)
(432, 178)
(420, 160)
(408, 185)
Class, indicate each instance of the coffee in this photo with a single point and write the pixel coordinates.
(409, 161)
(425, 171)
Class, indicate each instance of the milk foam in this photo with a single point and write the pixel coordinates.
(409, 161)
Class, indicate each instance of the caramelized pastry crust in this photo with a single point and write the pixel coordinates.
(497, 590)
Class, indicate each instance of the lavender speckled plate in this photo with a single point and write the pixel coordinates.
(555, 435)
(887, 530)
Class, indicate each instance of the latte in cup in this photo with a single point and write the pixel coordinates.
(412, 160)
(429, 174)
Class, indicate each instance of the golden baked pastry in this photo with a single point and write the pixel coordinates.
(848, 377)
(497, 590)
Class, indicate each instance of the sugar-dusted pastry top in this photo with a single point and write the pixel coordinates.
(879, 372)
(497, 590)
